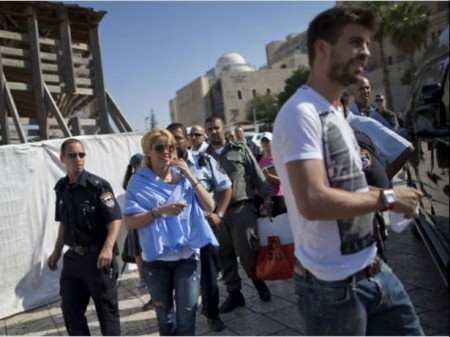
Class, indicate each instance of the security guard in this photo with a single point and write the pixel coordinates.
(208, 173)
(238, 229)
(89, 219)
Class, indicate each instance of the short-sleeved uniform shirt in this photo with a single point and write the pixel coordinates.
(243, 170)
(208, 172)
(85, 208)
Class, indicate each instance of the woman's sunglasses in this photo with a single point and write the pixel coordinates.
(160, 148)
(73, 155)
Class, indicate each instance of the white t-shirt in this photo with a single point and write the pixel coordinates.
(309, 127)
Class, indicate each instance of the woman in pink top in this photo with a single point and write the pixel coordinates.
(266, 164)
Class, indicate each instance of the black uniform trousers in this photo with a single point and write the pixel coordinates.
(208, 281)
(80, 280)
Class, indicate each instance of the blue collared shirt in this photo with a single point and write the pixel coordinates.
(208, 172)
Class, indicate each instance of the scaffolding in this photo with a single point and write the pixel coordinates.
(51, 77)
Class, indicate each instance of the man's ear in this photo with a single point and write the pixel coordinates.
(320, 46)
(61, 158)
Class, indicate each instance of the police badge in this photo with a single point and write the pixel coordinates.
(108, 199)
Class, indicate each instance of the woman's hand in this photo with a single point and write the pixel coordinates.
(172, 208)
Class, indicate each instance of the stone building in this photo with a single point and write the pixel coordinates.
(225, 90)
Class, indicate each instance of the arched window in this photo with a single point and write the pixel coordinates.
(239, 94)
(254, 93)
(268, 91)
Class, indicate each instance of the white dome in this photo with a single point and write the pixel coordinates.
(228, 60)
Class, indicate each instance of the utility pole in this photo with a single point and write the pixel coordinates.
(254, 120)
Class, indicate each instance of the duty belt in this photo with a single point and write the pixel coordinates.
(371, 270)
(241, 203)
(83, 250)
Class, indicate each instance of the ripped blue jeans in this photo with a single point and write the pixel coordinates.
(378, 306)
(171, 282)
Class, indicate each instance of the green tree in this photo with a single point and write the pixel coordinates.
(382, 11)
(262, 107)
(408, 29)
(298, 78)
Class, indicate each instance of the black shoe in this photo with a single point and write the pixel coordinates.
(147, 306)
(263, 290)
(216, 324)
(235, 299)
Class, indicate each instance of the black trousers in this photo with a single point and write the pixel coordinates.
(81, 280)
(208, 281)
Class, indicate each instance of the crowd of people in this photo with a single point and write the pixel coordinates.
(192, 203)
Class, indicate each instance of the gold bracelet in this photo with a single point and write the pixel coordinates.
(196, 183)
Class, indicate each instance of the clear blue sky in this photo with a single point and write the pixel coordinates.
(152, 49)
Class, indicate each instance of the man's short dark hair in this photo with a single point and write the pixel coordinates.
(328, 25)
(69, 141)
(172, 127)
(212, 119)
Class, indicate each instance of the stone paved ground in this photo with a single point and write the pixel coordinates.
(406, 255)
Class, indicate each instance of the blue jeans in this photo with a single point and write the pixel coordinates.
(373, 306)
(163, 278)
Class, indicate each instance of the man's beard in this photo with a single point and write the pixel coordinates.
(342, 74)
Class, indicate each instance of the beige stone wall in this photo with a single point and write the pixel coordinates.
(192, 103)
(246, 83)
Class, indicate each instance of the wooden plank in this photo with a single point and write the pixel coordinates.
(20, 86)
(33, 34)
(82, 61)
(3, 108)
(82, 72)
(13, 111)
(14, 51)
(121, 122)
(16, 63)
(80, 46)
(13, 36)
(56, 113)
(99, 89)
(24, 120)
(66, 47)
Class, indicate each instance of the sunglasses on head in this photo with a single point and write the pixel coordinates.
(196, 135)
(73, 155)
(160, 148)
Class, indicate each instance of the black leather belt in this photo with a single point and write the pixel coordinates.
(241, 203)
(83, 250)
(371, 270)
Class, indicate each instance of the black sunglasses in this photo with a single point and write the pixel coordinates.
(73, 155)
(160, 148)
(196, 135)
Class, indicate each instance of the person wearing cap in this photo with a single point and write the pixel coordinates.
(133, 246)
(267, 167)
(387, 114)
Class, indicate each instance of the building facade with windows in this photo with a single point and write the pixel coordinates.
(225, 90)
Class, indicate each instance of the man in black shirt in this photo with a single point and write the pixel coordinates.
(89, 217)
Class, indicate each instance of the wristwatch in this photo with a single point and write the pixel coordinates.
(388, 197)
(220, 215)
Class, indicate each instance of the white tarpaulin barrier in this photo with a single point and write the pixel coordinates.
(28, 174)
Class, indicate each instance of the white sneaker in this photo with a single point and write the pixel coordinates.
(140, 283)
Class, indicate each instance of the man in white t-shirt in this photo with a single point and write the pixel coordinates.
(343, 287)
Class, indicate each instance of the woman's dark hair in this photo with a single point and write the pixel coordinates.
(328, 25)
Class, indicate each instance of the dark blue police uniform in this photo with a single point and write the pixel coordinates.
(85, 209)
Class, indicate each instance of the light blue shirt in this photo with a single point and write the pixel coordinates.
(208, 172)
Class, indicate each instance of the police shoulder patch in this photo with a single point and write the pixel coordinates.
(366, 159)
(108, 199)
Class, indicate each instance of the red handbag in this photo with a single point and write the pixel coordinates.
(275, 261)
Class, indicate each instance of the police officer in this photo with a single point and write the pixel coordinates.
(207, 171)
(89, 219)
(237, 236)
